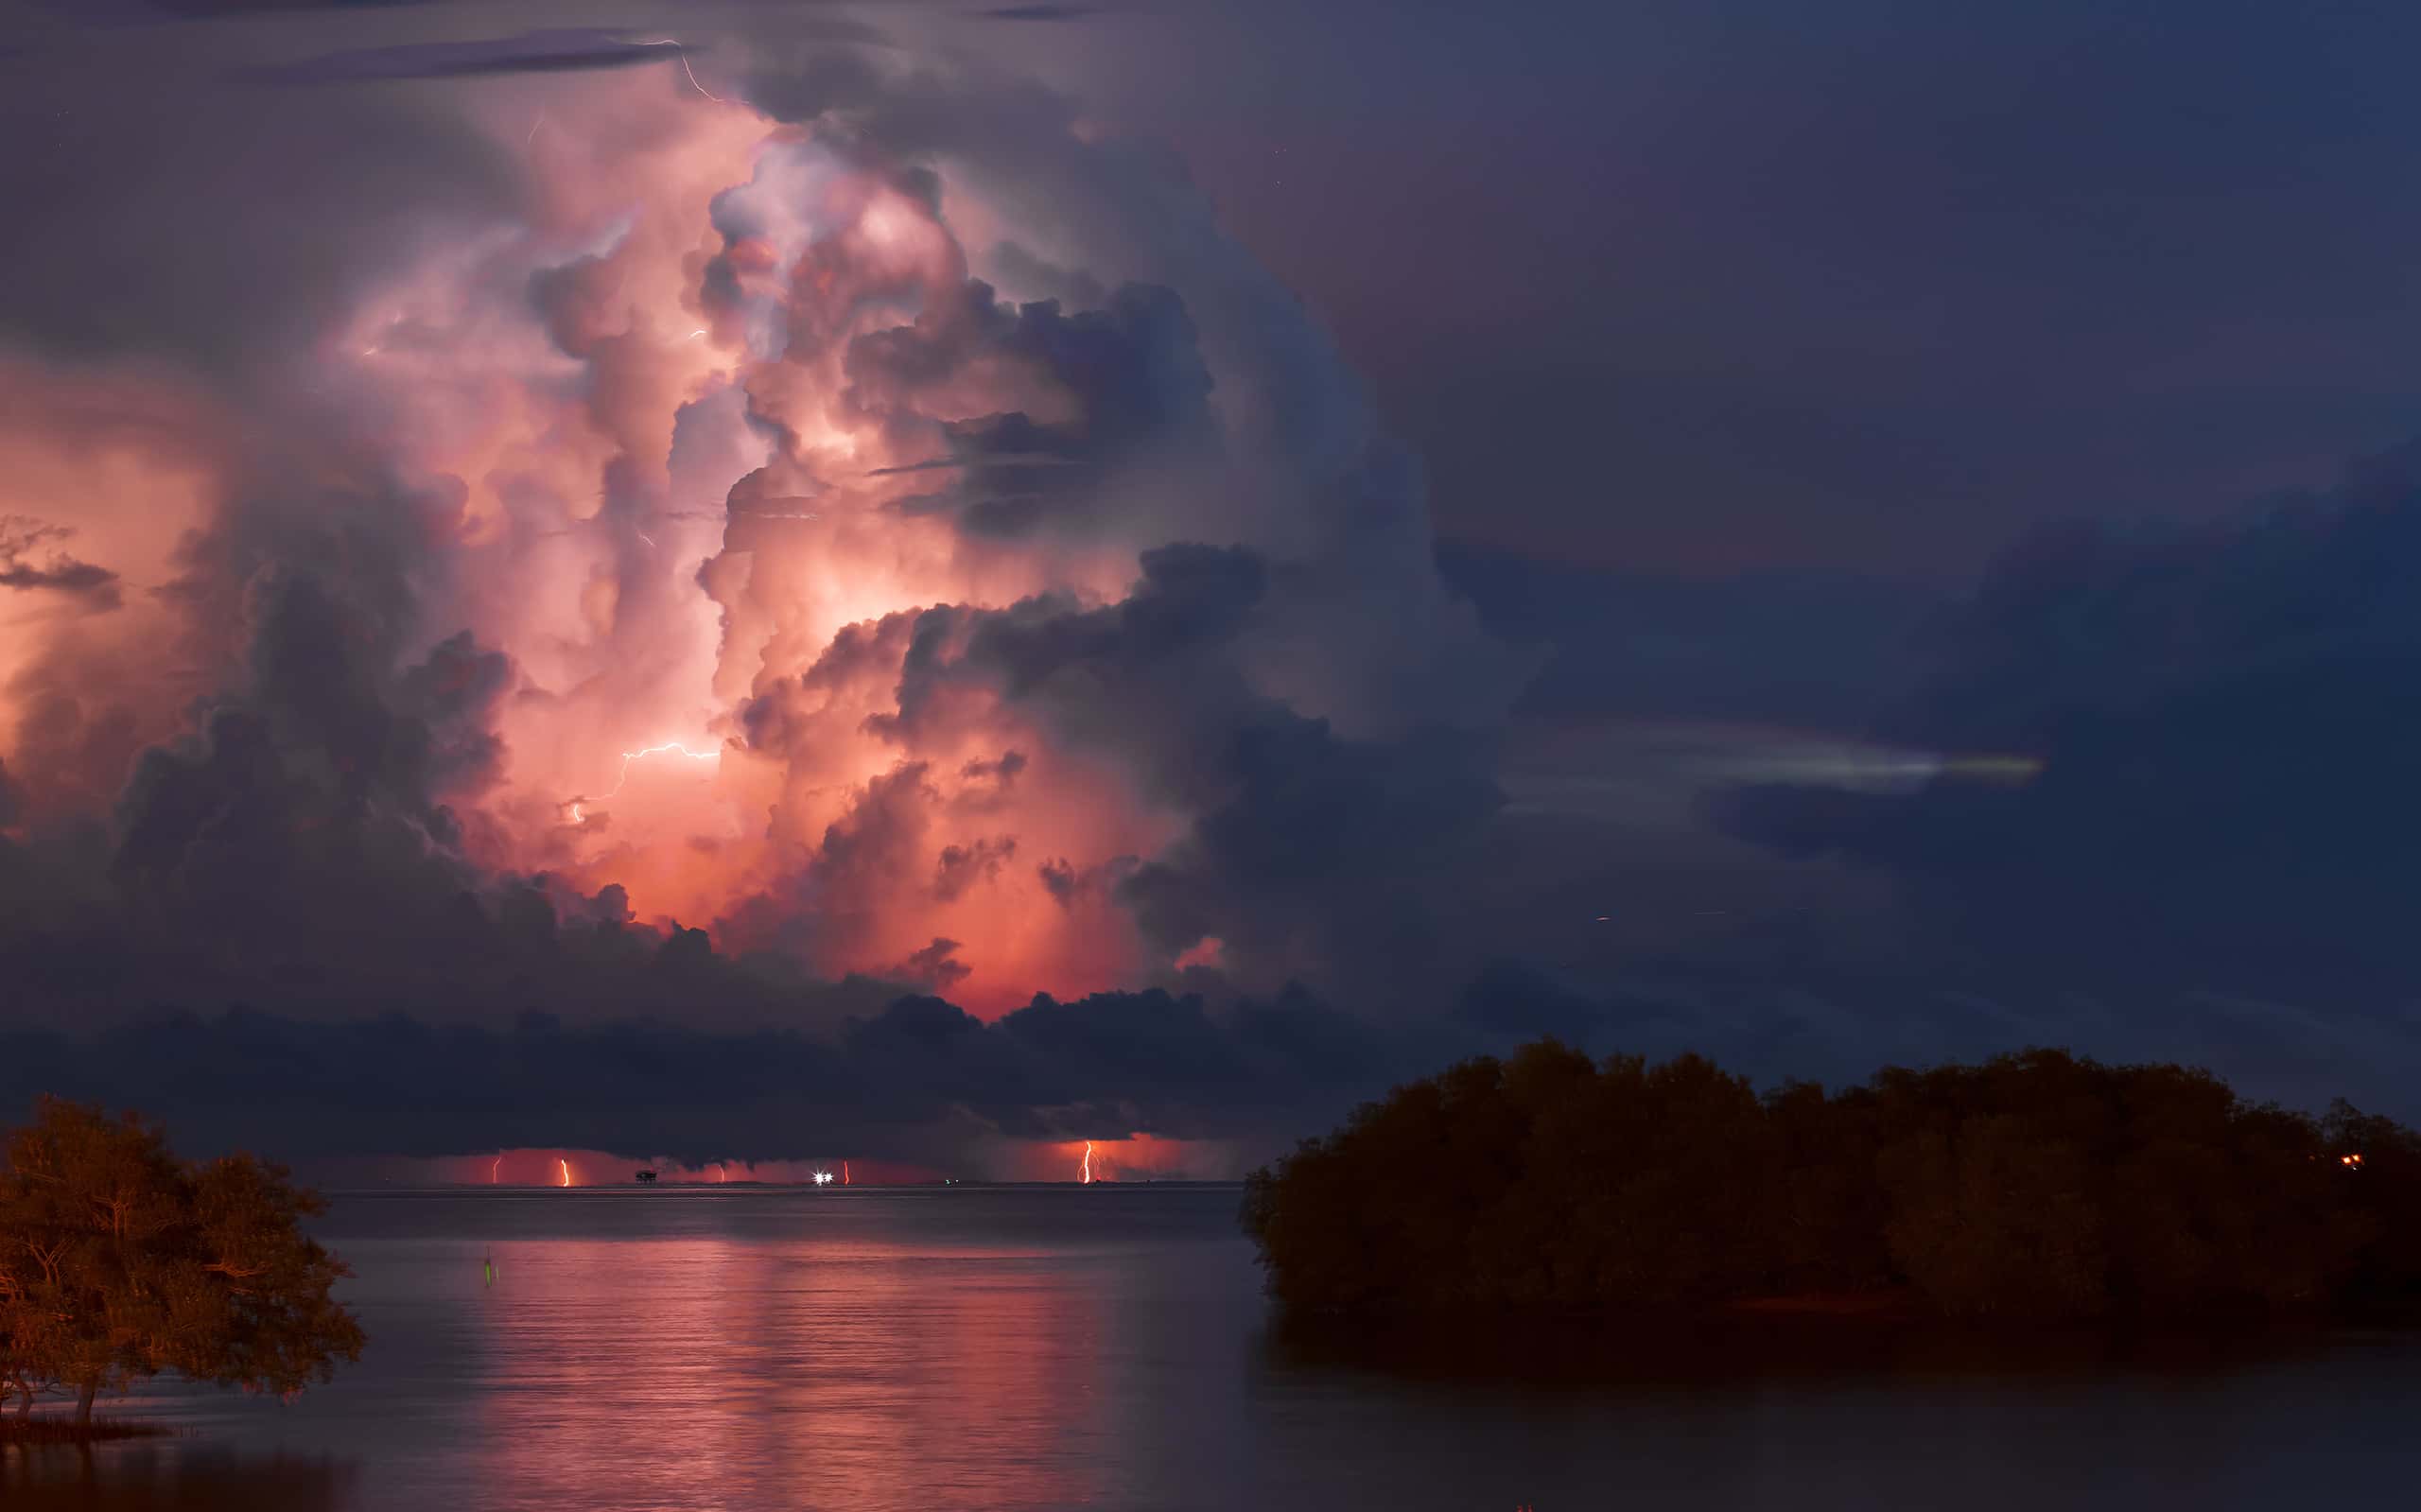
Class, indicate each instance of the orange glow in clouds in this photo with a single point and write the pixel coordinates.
(1137, 1158)
(674, 489)
(576, 807)
(682, 579)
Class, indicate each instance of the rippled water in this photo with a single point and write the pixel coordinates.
(1107, 1346)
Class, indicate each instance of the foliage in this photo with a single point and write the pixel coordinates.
(2033, 1186)
(119, 1261)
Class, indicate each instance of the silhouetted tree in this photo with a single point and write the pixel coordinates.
(119, 1261)
(2035, 1185)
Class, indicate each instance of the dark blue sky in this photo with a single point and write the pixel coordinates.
(1699, 288)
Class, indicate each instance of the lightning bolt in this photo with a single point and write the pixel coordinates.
(1088, 1179)
(494, 1167)
(579, 816)
(567, 1165)
(844, 1173)
(668, 42)
(629, 756)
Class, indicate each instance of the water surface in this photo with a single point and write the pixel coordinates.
(1107, 1346)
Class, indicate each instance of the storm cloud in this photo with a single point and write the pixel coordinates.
(534, 52)
(2226, 724)
(837, 605)
(911, 1080)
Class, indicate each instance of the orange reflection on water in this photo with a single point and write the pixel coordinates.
(832, 1370)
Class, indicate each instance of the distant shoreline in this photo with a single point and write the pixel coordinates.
(456, 1189)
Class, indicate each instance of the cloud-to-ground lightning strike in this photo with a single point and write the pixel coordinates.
(567, 1165)
(1087, 1179)
(494, 1167)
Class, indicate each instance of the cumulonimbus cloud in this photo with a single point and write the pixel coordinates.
(773, 557)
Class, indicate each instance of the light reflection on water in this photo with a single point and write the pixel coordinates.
(1107, 1347)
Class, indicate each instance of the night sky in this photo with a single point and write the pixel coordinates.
(924, 582)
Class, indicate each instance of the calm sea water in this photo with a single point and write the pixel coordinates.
(1109, 1348)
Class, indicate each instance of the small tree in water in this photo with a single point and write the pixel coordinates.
(119, 1261)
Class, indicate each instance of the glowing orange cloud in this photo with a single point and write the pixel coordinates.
(686, 415)
(112, 468)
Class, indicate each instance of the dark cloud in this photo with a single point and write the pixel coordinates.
(989, 787)
(1822, 650)
(1043, 12)
(1813, 1021)
(1520, 1000)
(917, 1079)
(964, 866)
(242, 7)
(2226, 723)
(1061, 879)
(122, 13)
(1068, 883)
(1134, 370)
(1314, 854)
(1372, 839)
(935, 966)
(236, 235)
(66, 574)
(569, 50)
(912, 1079)
(57, 572)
